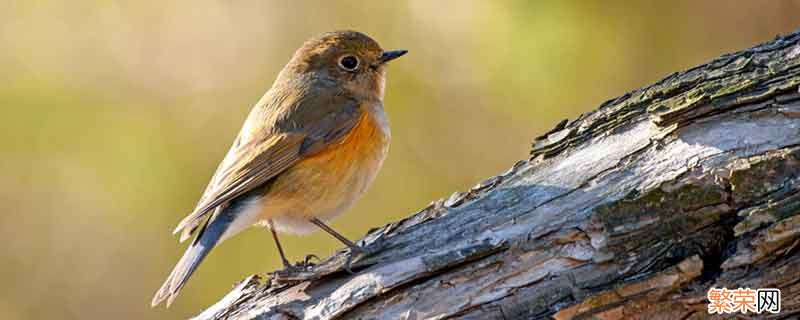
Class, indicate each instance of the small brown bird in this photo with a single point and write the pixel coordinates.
(308, 150)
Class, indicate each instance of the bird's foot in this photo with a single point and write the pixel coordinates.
(355, 251)
(307, 260)
(301, 266)
(294, 272)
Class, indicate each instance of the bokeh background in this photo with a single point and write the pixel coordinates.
(115, 114)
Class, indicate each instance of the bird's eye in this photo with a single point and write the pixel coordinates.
(348, 63)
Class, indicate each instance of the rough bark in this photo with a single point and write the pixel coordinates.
(632, 210)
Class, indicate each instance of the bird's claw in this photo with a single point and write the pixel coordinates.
(292, 272)
(307, 261)
(354, 251)
(300, 266)
(297, 269)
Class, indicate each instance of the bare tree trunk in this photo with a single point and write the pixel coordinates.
(631, 211)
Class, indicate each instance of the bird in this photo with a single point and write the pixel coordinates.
(307, 151)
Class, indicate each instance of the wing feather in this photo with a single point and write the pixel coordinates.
(270, 144)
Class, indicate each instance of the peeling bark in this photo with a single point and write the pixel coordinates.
(631, 211)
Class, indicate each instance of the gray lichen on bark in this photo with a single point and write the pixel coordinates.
(634, 209)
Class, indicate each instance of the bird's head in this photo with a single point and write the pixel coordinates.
(349, 60)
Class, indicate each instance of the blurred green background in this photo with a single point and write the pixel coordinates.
(115, 114)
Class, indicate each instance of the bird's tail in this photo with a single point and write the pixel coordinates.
(206, 239)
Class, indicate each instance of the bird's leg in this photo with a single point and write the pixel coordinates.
(285, 261)
(353, 247)
(335, 234)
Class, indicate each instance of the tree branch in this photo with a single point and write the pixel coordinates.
(634, 209)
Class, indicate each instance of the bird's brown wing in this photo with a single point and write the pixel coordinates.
(285, 134)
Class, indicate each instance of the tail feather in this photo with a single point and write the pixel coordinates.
(207, 238)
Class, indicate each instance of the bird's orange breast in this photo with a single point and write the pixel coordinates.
(363, 141)
(329, 182)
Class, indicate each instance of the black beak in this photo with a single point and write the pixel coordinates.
(391, 55)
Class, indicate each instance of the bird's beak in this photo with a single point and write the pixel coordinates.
(391, 55)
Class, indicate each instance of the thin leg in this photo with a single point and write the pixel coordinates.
(286, 263)
(335, 234)
(353, 247)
